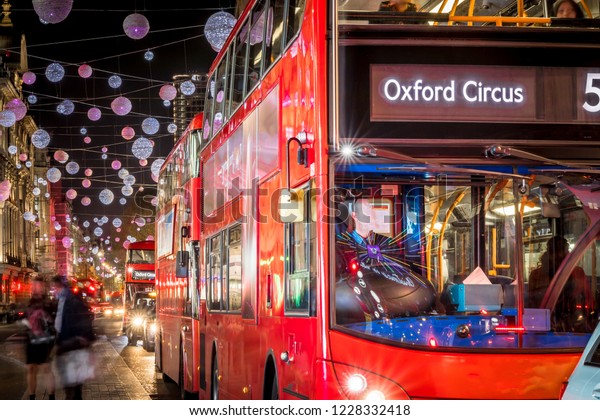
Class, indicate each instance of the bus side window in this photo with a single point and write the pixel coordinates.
(274, 32)
(294, 16)
(255, 55)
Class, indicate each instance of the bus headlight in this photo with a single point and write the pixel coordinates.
(138, 321)
(153, 328)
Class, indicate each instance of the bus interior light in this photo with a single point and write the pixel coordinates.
(504, 329)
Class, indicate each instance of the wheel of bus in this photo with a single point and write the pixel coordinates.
(275, 389)
(214, 382)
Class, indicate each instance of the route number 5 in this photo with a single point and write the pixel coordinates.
(592, 90)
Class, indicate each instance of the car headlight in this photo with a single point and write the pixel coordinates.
(138, 321)
(108, 312)
(119, 311)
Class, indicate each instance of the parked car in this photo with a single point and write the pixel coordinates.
(584, 382)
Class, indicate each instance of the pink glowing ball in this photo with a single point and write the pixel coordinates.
(29, 78)
(116, 165)
(71, 194)
(52, 11)
(128, 133)
(136, 26)
(88, 172)
(143, 162)
(87, 140)
(121, 105)
(104, 149)
(94, 114)
(23, 157)
(86, 183)
(167, 92)
(85, 71)
(18, 107)
(86, 201)
(61, 156)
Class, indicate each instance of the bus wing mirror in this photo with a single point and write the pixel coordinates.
(181, 269)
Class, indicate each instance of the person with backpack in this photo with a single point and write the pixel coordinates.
(41, 336)
(74, 323)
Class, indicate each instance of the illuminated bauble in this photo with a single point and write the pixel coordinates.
(150, 125)
(86, 201)
(71, 194)
(83, 131)
(28, 164)
(18, 107)
(55, 72)
(86, 224)
(52, 11)
(136, 26)
(140, 221)
(104, 219)
(115, 81)
(18, 165)
(53, 175)
(154, 177)
(156, 165)
(32, 99)
(187, 88)
(7, 118)
(123, 173)
(94, 114)
(117, 222)
(29, 78)
(217, 29)
(5, 187)
(61, 156)
(47, 195)
(121, 105)
(72, 167)
(29, 216)
(104, 156)
(98, 231)
(149, 55)
(88, 172)
(57, 226)
(122, 201)
(142, 148)
(166, 103)
(128, 133)
(172, 128)
(40, 138)
(129, 180)
(116, 165)
(23, 157)
(167, 92)
(53, 239)
(86, 183)
(67, 242)
(36, 191)
(66, 107)
(127, 190)
(154, 201)
(143, 162)
(85, 71)
(87, 140)
(104, 149)
(106, 196)
(117, 239)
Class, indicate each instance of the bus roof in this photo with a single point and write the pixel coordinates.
(139, 245)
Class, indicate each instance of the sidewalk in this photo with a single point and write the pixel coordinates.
(114, 379)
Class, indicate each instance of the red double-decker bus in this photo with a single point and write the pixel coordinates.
(139, 277)
(388, 206)
(177, 273)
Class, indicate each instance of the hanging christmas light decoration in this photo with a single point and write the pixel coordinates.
(128, 133)
(36, 191)
(115, 164)
(86, 224)
(115, 81)
(53, 175)
(136, 26)
(149, 55)
(7, 118)
(122, 201)
(121, 105)
(98, 231)
(106, 196)
(55, 72)
(129, 180)
(5, 187)
(88, 172)
(83, 131)
(18, 165)
(104, 156)
(40, 138)
(104, 219)
(66, 107)
(23, 157)
(127, 190)
(172, 128)
(52, 11)
(86, 201)
(94, 114)
(57, 226)
(142, 148)
(29, 78)
(67, 241)
(143, 162)
(217, 29)
(61, 156)
(32, 99)
(71, 194)
(123, 173)
(117, 222)
(140, 221)
(166, 103)
(154, 201)
(84, 71)
(187, 88)
(18, 107)
(72, 167)
(154, 178)
(29, 216)
(167, 92)
(150, 125)
(87, 140)
(86, 183)
(28, 164)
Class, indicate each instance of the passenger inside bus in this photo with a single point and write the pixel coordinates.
(569, 313)
(373, 282)
(567, 9)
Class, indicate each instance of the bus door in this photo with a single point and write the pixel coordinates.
(300, 327)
